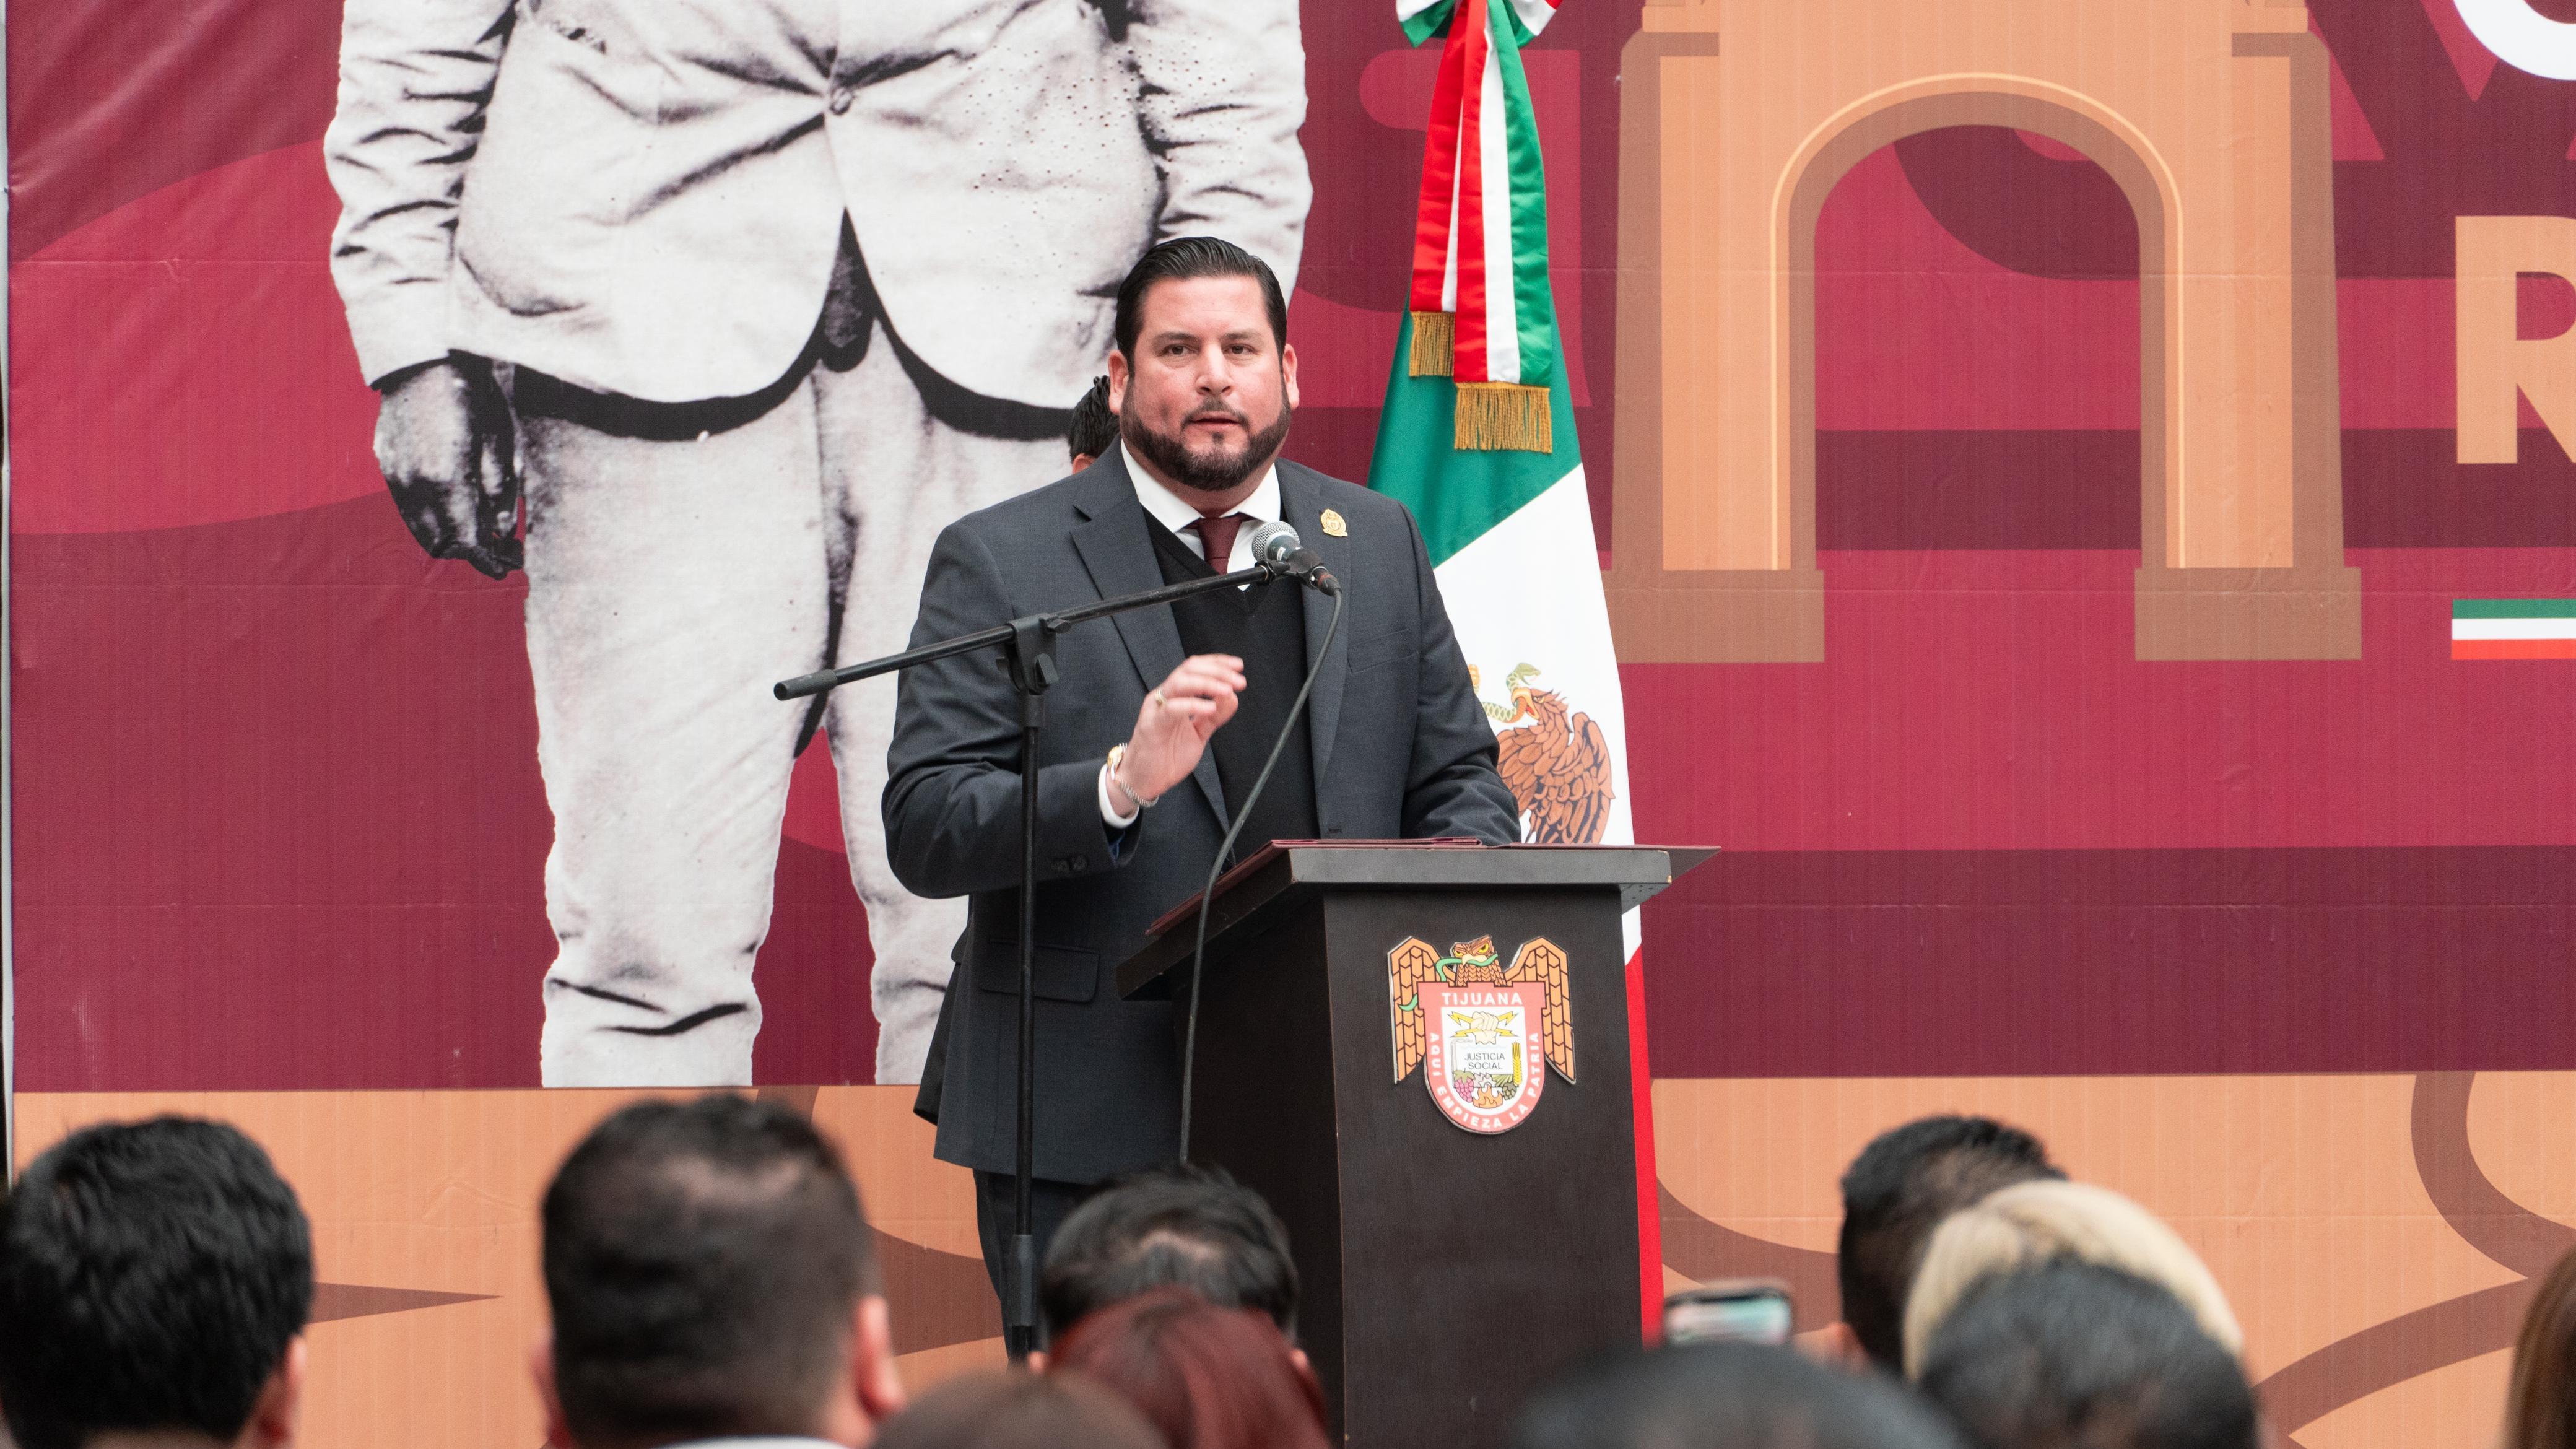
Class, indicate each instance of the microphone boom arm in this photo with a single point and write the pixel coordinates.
(1001, 635)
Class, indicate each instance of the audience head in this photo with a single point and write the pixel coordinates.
(1207, 1377)
(711, 1275)
(1900, 1187)
(2070, 1353)
(1095, 428)
(2540, 1408)
(1725, 1396)
(1001, 1409)
(1186, 1227)
(2037, 1221)
(155, 1278)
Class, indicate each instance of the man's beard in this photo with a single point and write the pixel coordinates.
(1218, 469)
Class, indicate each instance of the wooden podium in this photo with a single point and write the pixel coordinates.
(1445, 1271)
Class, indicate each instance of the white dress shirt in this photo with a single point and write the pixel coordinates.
(1179, 515)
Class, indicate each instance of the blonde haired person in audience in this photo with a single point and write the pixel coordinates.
(2066, 1354)
(2540, 1408)
(2033, 1222)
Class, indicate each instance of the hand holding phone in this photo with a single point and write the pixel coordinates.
(1731, 1310)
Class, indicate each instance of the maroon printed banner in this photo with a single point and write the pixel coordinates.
(2037, 521)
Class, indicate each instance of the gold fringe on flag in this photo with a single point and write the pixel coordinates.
(1434, 343)
(1498, 415)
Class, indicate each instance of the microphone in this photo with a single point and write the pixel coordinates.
(1276, 546)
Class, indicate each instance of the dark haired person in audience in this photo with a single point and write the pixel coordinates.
(1186, 1227)
(2075, 1353)
(1725, 1396)
(1001, 1409)
(711, 1276)
(155, 1278)
(1095, 427)
(1894, 1194)
(2540, 1408)
(1208, 1377)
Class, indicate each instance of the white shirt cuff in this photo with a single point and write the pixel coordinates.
(1108, 814)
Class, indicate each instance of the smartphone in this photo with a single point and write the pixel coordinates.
(1735, 1310)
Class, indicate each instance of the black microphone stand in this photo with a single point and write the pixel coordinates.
(1028, 653)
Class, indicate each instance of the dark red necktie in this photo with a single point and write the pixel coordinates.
(1216, 535)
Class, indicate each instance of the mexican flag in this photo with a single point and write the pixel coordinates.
(1478, 440)
(2512, 628)
(1478, 436)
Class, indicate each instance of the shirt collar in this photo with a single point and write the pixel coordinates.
(1175, 513)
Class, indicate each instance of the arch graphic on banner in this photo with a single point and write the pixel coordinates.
(2218, 134)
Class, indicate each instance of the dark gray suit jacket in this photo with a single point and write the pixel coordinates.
(1401, 749)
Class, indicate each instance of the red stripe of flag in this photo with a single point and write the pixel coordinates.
(2513, 648)
(1468, 360)
(1439, 173)
(1650, 1220)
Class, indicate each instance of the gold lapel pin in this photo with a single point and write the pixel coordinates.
(1333, 525)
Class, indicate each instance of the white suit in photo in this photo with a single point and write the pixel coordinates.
(785, 286)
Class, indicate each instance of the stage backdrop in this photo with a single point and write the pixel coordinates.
(2088, 521)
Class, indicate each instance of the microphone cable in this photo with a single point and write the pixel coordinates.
(1216, 867)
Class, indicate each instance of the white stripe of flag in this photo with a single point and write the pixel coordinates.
(2558, 628)
(1502, 302)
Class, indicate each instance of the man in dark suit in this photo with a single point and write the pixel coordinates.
(1161, 723)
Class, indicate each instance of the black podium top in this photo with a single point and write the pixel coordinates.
(1286, 872)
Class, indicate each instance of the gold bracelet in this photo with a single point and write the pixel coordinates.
(1116, 754)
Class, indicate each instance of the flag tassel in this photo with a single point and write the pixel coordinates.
(1493, 416)
(1434, 344)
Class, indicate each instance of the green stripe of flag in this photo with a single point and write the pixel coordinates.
(2507, 608)
(1456, 495)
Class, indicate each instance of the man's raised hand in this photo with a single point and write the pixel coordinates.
(1173, 727)
(445, 443)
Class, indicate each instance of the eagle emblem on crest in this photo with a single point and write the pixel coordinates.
(1556, 761)
(1489, 1032)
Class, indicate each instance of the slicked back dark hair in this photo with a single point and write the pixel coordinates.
(1896, 1192)
(1725, 1396)
(2068, 1353)
(152, 1275)
(703, 1260)
(1184, 258)
(1188, 1227)
(1094, 429)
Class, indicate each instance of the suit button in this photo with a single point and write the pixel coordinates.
(840, 100)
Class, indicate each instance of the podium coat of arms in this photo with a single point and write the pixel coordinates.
(1484, 1029)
